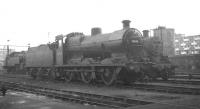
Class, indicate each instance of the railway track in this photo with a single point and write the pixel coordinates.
(166, 89)
(77, 97)
(180, 81)
(170, 88)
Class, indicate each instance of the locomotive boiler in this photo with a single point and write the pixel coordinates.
(124, 42)
(117, 46)
(123, 55)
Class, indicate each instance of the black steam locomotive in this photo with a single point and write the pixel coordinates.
(123, 55)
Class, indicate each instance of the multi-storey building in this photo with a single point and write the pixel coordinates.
(187, 53)
(167, 36)
(186, 45)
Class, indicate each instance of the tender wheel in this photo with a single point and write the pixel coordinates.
(68, 76)
(87, 77)
(108, 76)
(146, 79)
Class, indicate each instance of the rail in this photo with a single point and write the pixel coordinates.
(161, 87)
(77, 97)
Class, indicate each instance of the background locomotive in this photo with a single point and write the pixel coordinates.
(15, 62)
(123, 55)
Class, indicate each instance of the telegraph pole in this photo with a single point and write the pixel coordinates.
(29, 45)
(8, 47)
(49, 37)
(6, 63)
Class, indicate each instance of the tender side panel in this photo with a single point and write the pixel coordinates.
(40, 56)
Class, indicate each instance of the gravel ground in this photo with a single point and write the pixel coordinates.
(20, 100)
(162, 100)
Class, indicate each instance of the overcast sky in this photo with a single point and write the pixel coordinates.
(29, 21)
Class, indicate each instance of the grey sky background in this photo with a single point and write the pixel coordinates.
(29, 21)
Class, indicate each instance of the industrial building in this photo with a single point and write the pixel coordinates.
(167, 36)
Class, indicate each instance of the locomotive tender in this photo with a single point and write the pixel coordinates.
(123, 55)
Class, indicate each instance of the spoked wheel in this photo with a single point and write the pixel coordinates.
(68, 76)
(146, 79)
(53, 74)
(87, 77)
(109, 76)
(165, 75)
(33, 73)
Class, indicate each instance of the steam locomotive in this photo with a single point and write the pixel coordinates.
(124, 55)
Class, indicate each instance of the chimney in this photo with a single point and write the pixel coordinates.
(126, 24)
(95, 31)
(145, 33)
(161, 27)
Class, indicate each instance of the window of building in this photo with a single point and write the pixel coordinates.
(183, 44)
(196, 52)
(176, 41)
(176, 49)
(193, 43)
(183, 52)
(177, 53)
(185, 39)
(186, 48)
(197, 38)
(197, 47)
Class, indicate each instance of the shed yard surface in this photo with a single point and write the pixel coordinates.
(161, 100)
